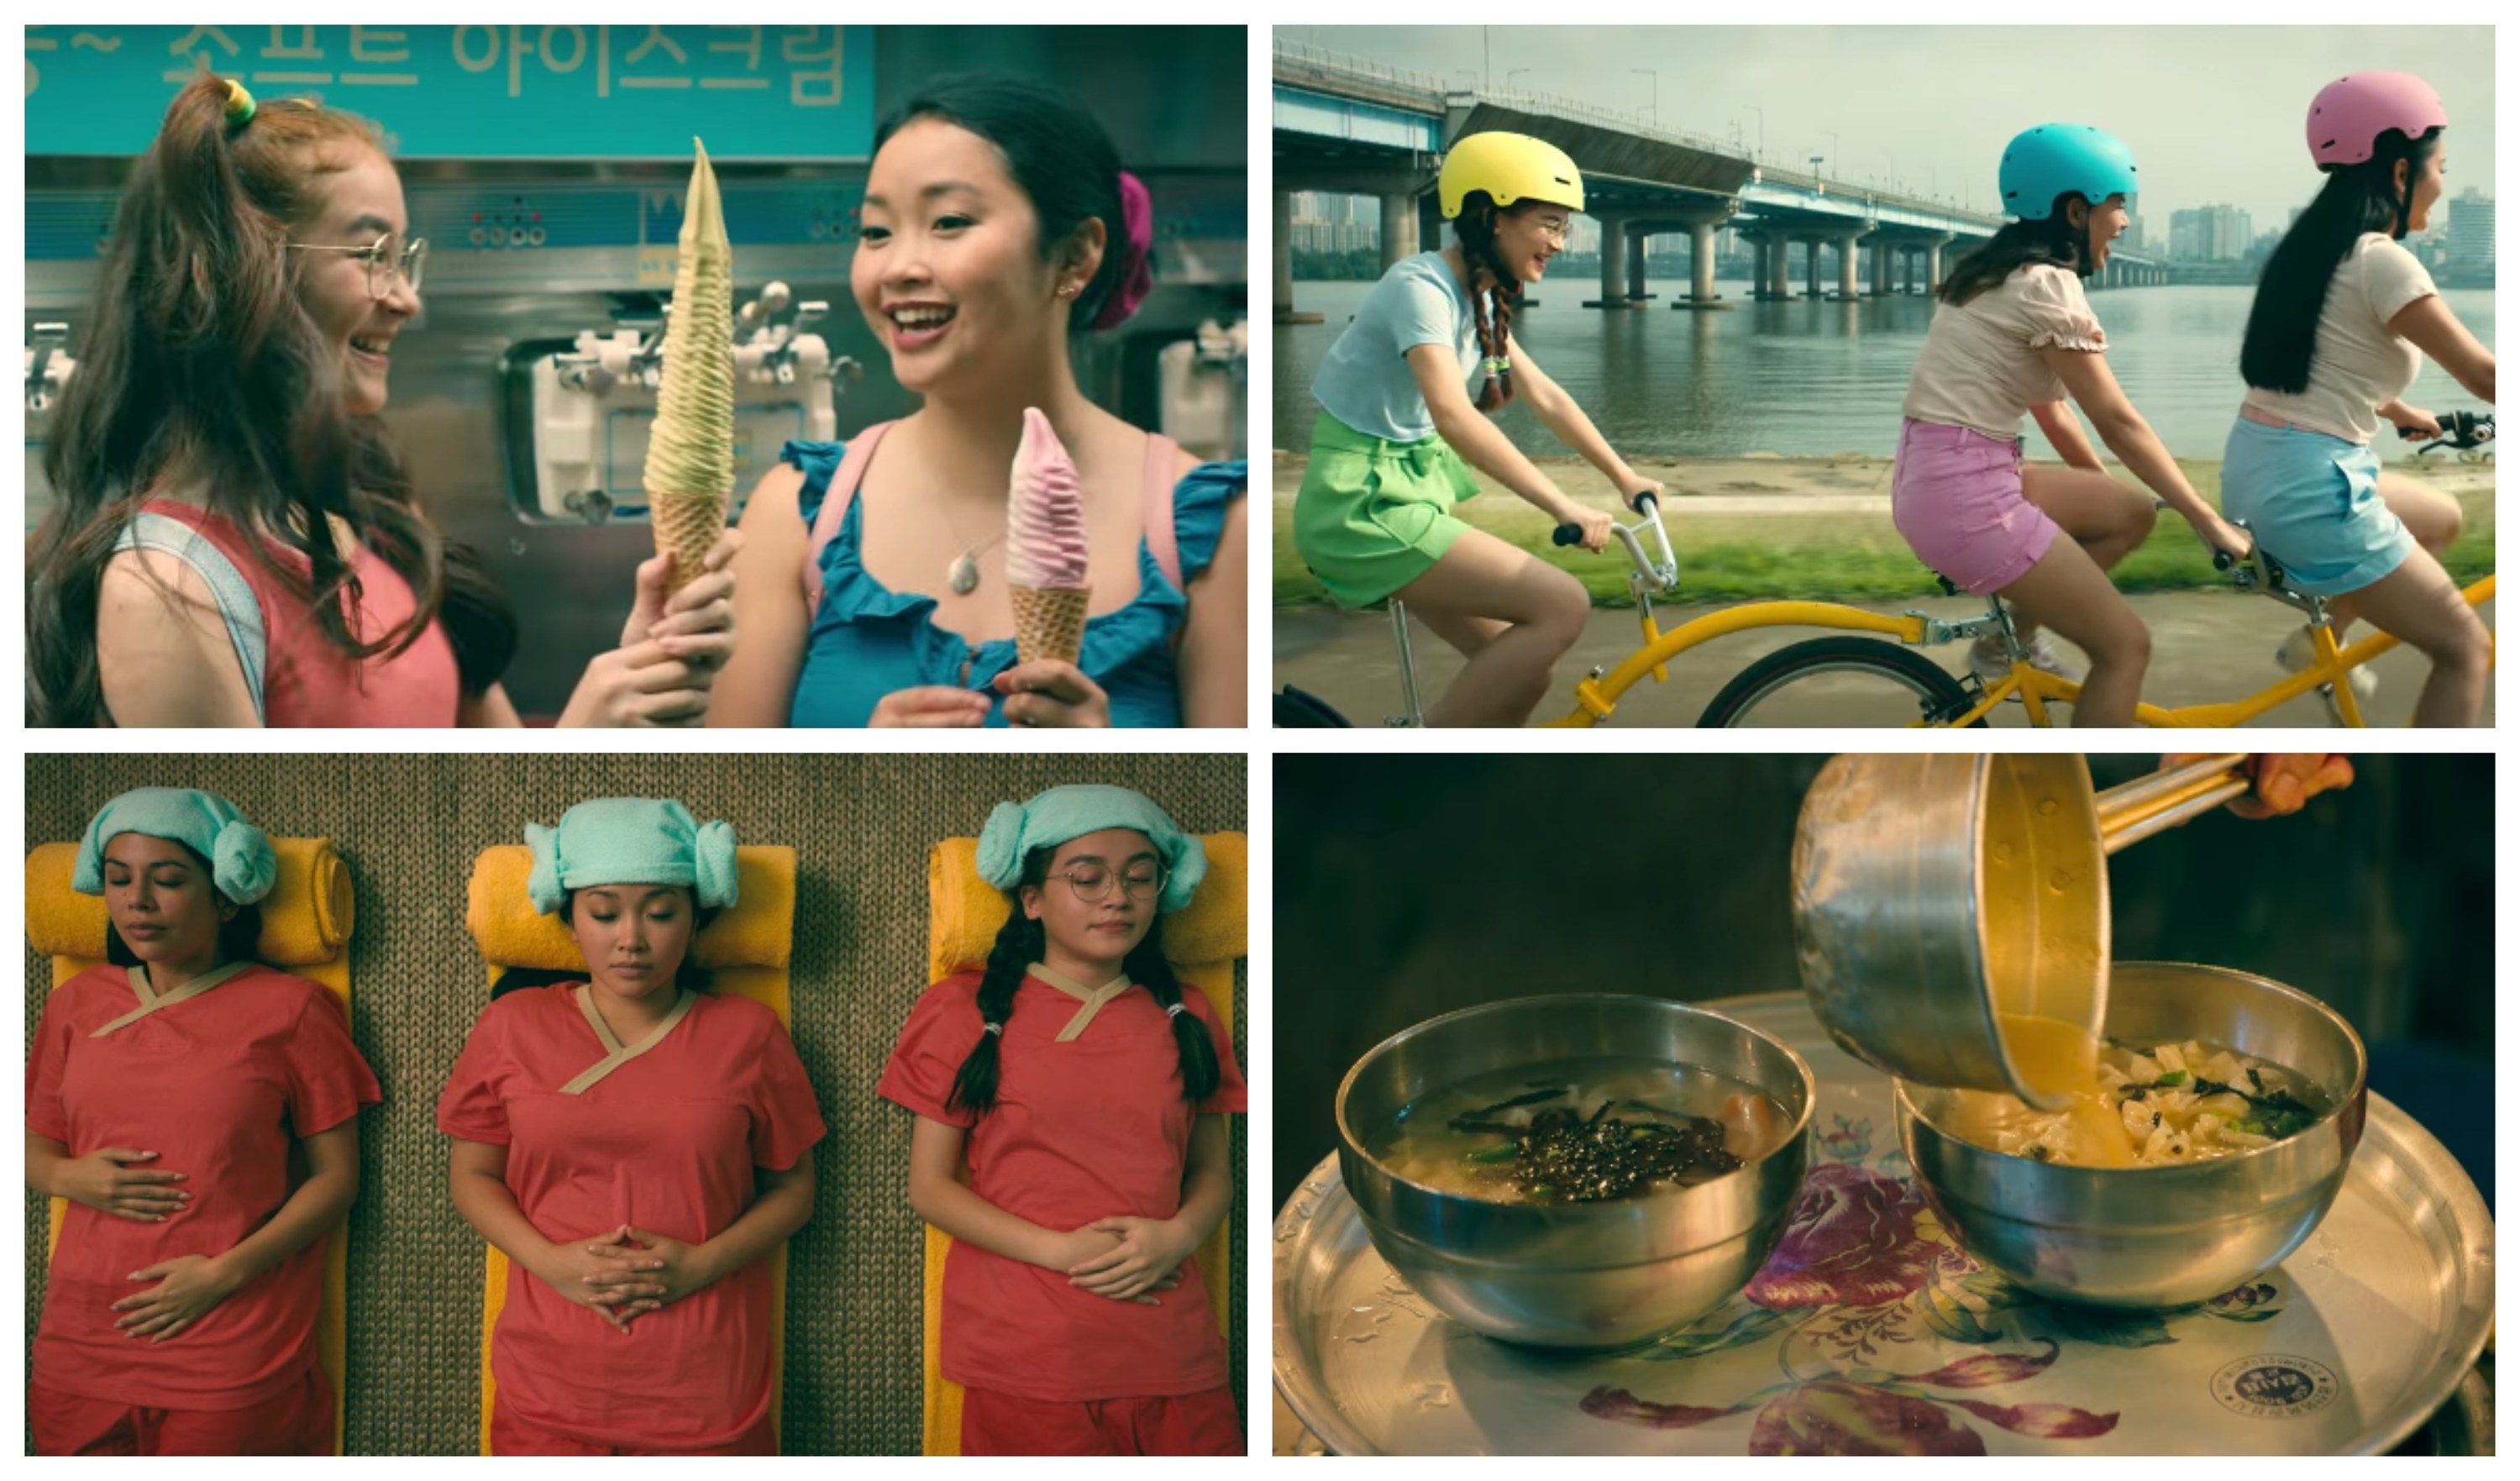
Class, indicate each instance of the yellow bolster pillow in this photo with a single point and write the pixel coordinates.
(965, 911)
(755, 931)
(305, 918)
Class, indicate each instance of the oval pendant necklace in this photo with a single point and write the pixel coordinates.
(963, 577)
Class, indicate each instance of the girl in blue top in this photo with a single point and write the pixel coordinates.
(1398, 434)
(872, 590)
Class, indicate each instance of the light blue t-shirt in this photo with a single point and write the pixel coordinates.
(1365, 380)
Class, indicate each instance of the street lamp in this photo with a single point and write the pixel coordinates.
(1653, 109)
(1510, 76)
(1763, 126)
(1832, 150)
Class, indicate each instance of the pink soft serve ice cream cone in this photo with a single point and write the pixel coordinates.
(1046, 558)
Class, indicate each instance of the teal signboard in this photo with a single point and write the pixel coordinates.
(480, 92)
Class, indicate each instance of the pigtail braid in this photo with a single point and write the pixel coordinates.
(1491, 307)
(1019, 946)
(1147, 967)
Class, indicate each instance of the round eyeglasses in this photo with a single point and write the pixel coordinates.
(383, 264)
(1092, 881)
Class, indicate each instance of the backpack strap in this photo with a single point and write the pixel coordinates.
(1161, 453)
(238, 609)
(836, 495)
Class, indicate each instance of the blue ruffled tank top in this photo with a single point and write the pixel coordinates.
(868, 640)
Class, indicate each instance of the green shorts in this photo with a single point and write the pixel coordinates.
(1373, 515)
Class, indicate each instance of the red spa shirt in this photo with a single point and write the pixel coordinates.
(668, 1142)
(1082, 1131)
(220, 1086)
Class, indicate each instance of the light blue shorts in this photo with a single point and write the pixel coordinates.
(2314, 500)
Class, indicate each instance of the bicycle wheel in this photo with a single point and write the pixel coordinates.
(1291, 708)
(1839, 682)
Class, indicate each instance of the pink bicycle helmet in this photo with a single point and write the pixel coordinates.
(2350, 113)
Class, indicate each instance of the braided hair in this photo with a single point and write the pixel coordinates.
(1492, 308)
(1020, 944)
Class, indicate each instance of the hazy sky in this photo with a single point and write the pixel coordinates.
(2213, 114)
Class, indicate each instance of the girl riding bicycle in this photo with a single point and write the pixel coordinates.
(1398, 435)
(2015, 334)
(2342, 317)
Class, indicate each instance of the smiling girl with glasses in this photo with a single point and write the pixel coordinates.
(1086, 1088)
(235, 539)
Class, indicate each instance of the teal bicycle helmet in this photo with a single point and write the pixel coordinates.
(2043, 162)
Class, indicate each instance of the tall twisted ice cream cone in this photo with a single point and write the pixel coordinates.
(690, 448)
(1046, 558)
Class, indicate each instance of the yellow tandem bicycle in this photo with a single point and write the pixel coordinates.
(1874, 673)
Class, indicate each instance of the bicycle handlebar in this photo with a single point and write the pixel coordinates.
(2460, 429)
(1566, 534)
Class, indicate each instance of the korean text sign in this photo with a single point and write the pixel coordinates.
(480, 92)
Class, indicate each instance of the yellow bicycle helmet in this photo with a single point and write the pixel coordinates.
(1510, 169)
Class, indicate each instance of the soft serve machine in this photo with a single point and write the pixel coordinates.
(522, 394)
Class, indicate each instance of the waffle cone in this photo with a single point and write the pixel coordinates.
(1049, 622)
(686, 525)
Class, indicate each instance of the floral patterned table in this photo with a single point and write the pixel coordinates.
(1870, 1331)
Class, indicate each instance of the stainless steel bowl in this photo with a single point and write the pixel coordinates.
(1580, 1276)
(2152, 1238)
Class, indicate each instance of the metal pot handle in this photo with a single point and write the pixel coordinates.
(2136, 810)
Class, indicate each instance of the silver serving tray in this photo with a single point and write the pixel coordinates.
(2349, 1346)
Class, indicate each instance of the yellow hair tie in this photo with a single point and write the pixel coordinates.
(240, 109)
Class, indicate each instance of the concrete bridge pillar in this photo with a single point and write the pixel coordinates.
(1636, 293)
(1779, 285)
(1282, 261)
(1845, 285)
(1811, 264)
(1882, 251)
(1701, 262)
(1758, 267)
(1934, 261)
(1399, 229)
(1614, 256)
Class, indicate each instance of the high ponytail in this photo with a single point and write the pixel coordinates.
(1492, 308)
(1147, 967)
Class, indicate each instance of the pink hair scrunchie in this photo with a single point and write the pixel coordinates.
(1138, 237)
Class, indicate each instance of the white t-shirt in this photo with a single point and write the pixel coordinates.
(1981, 367)
(2356, 362)
(1365, 380)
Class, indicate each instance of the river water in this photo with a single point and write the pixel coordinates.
(1811, 379)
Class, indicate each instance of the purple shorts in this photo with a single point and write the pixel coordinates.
(1955, 497)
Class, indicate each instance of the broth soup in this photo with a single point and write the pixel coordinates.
(1580, 1131)
(2147, 1108)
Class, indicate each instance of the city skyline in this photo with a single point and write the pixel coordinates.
(1786, 93)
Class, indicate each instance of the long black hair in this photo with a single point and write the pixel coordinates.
(2357, 199)
(240, 934)
(688, 974)
(2053, 241)
(1492, 308)
(1020, 944)
(1060, 155)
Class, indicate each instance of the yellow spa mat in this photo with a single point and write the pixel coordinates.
(1202, 941)
(306, 922)
(746, 950)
